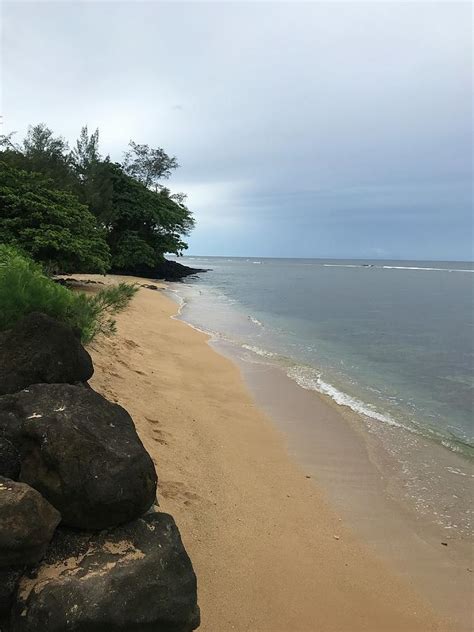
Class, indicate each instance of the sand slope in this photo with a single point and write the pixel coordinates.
(259, 533)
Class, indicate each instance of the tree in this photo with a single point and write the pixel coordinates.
(140, 219)
(7, 144)
(148, 165)
(49, 224)
(94, 186)
(85, 156)
(145, 224)
(41, 152)
(40, 142)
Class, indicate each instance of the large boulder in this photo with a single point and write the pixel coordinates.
(9, 459)
(135, 578)
(81, 452)
(41, 349)
(27, 524)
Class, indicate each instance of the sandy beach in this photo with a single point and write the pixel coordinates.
(270, 552)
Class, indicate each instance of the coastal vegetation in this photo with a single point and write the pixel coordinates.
(50, 224)
(75, 210)
(25, 288)
(68, 210)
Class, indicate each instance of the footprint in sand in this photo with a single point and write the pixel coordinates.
(131, 344)
(174, 490)
(158, 435)
(152, 421)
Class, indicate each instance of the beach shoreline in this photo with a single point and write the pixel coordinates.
(360, 478)
(269, 550)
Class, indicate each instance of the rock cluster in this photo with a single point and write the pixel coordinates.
(81, 545)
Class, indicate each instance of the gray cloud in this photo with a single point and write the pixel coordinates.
(328, 129)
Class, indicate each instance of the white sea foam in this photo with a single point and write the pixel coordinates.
(384, 267)
(255, 321)
(342, 265)
(311, 380)
(455, 470)
(177, 298)
(424, 268)
(261, 352)
(451, 445)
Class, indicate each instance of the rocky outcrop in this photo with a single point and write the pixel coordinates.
(9, 459)
(113, 564)
(81, 452)
(134, 578)
(41, 349)
(27, 524)
(166, 270)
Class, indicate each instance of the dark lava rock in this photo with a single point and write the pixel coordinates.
(76, 283)
(9, 459)
(27, 524)
(9, 578)
(81, 452)
(41, 349)
(166, 270)
(135, 578)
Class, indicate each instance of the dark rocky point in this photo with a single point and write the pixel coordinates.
(135, 578)
(166, 270)
(41, 349)
(81, 452)
(27, 524)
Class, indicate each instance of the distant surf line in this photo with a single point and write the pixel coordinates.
(372, 265)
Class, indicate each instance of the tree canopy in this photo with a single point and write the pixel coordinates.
(42, 152)
(148, 165)
(49, 224)
(78, 210)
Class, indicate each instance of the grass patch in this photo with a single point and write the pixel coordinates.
(25, 288)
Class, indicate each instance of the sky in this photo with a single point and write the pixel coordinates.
(317, 129)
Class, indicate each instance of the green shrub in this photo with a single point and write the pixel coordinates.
(24, 288)
(101, 306)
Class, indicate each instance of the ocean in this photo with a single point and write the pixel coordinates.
(390, 340)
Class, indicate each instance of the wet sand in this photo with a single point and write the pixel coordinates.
(362, 483)
(270, 552)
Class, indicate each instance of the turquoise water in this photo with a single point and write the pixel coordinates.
(391, 340)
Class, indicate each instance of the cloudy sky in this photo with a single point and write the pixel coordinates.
(318, 129)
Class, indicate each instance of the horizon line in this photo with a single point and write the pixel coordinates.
(320, 258)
